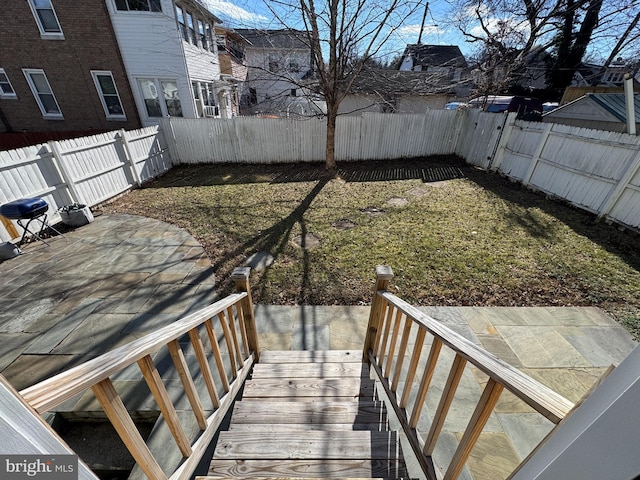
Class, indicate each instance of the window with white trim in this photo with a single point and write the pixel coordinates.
(108, 93)
(201, 33)
(139, 5)
(46, 18)
(6, 89)
(192, 32)
(156, 105)
(182, 26)
(42, 92)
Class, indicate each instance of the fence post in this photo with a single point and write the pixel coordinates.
(122, 135)
(240, 277)
(537, 154)
(58, 164)
(170, 137)
(502, 143)
(616, 193)
(384, 274)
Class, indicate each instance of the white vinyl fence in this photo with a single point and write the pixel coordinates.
(86, 170)
(369, 137)
(595, 170)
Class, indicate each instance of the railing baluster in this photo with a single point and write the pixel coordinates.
(382, 347)
(243, 332)
(215, 348)
(401, 352)
(187, 382)
(127, 430)
(152, 377)
(392, 344)
(481, 414)
(234, 334)
(382, 308)
(445, 402)
(429, 368)
(413, 366)
(229, 342)
(196, 341)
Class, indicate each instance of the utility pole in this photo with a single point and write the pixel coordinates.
(424, 17)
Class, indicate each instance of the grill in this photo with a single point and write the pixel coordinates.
(28, 209)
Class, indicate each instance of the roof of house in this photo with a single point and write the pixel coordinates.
(377, 80)
(435, 55)
(613, 103)
(616, 105)
(281, 39)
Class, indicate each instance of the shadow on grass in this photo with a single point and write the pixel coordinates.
(427, 169)
(522, 201)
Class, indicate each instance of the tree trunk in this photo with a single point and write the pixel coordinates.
(330, 151)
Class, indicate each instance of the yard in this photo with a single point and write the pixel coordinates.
(452, 234)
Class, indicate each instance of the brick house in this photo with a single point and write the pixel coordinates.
(60, 69)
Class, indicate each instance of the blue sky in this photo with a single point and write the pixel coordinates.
(255, 14)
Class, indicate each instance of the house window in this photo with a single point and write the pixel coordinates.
(615, 77)
(6, 90)
(221, 40)
(108, 93)
(46, 18)
(192, 32)
(139, 5)
(202, 35)
(42, 92)
(167, 104)
(294, 92)
(182, 27)
(294, 67)
(253, 96)
(274, 66)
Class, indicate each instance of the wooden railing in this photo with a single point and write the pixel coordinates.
(387, 357)
(235, 317)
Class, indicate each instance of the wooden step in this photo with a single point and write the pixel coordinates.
(353, 388)
(310, 413)
(310, 356)
(310, 370)
(310, 445)
(308, 468)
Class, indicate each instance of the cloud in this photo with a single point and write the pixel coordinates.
(232, 13)
(414, 30)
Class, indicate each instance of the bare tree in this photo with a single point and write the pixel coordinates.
(343, 36)
(509, 31)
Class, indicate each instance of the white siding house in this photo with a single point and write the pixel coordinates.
(169, 51)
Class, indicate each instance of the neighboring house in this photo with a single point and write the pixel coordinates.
(170, 55)
(278, 62)
(61, 71)
(444, 62)
(233, 64)
(601, 111)
(396, 91)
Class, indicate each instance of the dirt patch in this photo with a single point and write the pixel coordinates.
(343, 224)
(306, 241)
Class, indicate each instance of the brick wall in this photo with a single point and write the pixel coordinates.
(89, 44)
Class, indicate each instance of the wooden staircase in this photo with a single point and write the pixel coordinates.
(309, 414)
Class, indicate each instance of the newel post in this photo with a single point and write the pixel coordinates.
(384, 274)
(240, 277)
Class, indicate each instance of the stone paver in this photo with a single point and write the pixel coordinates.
(123, 276)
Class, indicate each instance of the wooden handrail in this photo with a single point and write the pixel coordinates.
(96, 375)
(56, 390)
(538, 396)
(381, 351)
